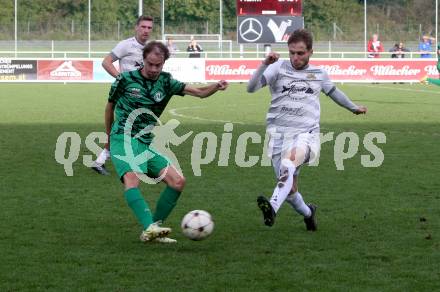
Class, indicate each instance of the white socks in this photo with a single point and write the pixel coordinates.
(103, 156)
(284, 185)
(297, 202)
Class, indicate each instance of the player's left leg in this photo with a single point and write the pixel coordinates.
(159, 166)
(288, 169)
(170, 195)
(286, 172)
(152, 232)
(296, 200)
(280, 149)
(309, 144)
(168, 198)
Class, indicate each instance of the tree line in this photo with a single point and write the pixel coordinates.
(328, 19)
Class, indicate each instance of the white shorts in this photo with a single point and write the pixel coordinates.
(280, 146)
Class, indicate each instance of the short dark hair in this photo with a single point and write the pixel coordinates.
(144, 18)
(156, 47)
(301, 35)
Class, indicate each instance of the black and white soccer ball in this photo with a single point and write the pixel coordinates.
(197, 225)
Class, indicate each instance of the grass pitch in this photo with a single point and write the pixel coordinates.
(378, 227)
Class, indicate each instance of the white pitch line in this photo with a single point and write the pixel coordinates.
(401, 89)
(174, 112)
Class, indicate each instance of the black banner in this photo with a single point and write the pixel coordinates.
(11, 69)
(267, 29)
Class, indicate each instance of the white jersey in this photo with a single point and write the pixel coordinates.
(129, 54)
(295, 106)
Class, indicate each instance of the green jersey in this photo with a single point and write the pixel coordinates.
(132, 91)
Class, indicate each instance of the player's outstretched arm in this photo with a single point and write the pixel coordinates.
(257, 80)
(107, 64)
(205, 91)
(341, 99)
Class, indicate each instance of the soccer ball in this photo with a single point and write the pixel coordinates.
(197, 225)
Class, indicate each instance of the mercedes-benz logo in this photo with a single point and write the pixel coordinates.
(250, 29)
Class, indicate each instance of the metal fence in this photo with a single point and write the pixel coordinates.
(211, 49)
(112, 30)
(117, 30)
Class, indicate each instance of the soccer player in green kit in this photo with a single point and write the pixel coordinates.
(146, 92)
(129, 55)
(426, 79)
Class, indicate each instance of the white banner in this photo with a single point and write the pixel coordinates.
(186, 70)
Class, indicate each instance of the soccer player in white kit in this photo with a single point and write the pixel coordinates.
(293, 121)
(129, 54)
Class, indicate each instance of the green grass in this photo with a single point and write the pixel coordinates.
(76, 233)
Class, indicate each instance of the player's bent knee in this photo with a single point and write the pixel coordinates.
(178, 183)
(175, 181)
(131, 180)
(297, 156)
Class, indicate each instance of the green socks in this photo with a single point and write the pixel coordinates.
(139, 206)
(433, 81)
(166, 203)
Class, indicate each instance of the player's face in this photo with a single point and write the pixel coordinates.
(143, 30)
(153, 64)
(299, 55)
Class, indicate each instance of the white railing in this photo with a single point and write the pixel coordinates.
(213, 48)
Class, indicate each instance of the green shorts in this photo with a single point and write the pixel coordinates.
(150, 162)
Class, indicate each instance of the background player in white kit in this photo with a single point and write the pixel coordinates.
(293, 120)
(129, 54)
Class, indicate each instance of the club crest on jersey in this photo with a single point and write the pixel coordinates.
(158, 96)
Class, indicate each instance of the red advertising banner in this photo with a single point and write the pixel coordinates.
(65, 70)
(377, 70)
(232, 70)
(339, 70)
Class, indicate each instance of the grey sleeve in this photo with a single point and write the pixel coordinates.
(327, 84)
(119, 51)
(114, 57)
(257, 80)
(341, 99)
